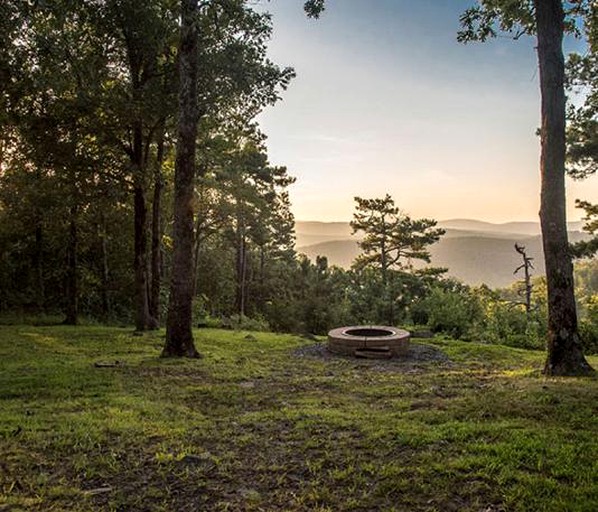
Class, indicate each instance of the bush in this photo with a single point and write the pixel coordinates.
(242, 322)
(452, 312)
(588, 327)
(589, 337)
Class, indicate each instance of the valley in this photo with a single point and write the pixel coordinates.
(475, 252)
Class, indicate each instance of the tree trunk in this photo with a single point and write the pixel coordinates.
(156, 257)
(565, 356)
(241, 273)
(72, 288)
(104, 266)
(142, 314)
(38, 263)
(527, 265)
(179, 337)
(261, 298)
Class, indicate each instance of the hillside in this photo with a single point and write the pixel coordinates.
(511, 228)
(473, 251)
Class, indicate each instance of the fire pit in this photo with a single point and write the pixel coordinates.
(370, 341)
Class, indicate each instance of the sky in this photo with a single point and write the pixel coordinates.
(387, 101)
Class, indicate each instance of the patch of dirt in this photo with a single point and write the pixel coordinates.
(418, 357)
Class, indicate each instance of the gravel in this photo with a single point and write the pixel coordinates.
(420, 356)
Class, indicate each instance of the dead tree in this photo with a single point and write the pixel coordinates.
(527, 266)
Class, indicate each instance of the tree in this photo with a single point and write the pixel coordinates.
(236, 82)
(545, 18)
(392, 240)
(139, 38)
(582, 130)
(243, 201)
(56, 71)
(179, 338)
(582, 80)
(526, 266)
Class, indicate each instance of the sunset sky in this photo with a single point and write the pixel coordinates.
(387, 101)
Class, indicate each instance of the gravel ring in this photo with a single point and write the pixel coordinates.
(418, 355)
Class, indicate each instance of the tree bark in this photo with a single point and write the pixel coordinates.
(72, 287)
(565, 355)
(105, 270)
(241, 264)
(527, 265)
(156, 256)
(142, 314)
(38, 263)
(179, 336)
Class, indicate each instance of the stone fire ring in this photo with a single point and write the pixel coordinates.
(369, 341)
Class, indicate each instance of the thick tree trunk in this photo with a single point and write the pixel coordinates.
(565, 356)
(179, 337)
(72, 287)
(156, 264)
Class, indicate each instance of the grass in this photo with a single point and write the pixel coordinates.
(261, 423)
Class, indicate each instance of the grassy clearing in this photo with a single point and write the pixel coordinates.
(258, 426)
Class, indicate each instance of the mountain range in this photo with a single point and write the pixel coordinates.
(475, 252)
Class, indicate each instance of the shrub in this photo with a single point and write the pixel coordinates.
(242, 322)
(452, 312)
(588, 327)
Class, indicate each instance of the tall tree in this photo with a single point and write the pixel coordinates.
(179, 337)
(141, 38)
(392, 240)
(545, 18)
(235, 83)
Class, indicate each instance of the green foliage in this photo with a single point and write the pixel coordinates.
(505, 320)
(489, 17)
(314, 8)
(314, 301)
(588, 331)
(582, 81)
(496, 317)
(89, 100)
(586, 283)
(515, 18)
(391, 241)
(244, 323)
(391, 238)
(587, 248)
(452, 310)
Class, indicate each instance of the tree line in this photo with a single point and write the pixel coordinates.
(91, 122)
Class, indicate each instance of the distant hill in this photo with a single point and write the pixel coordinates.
(520, 228)
(471, 254)
(313, 232)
